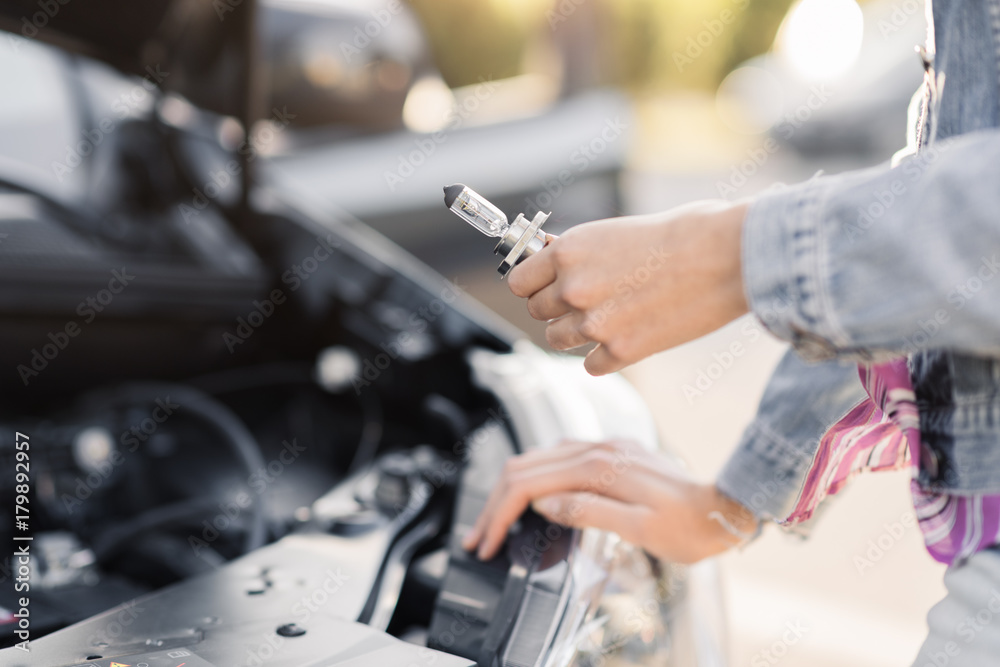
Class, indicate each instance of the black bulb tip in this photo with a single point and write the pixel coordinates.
(451, 193)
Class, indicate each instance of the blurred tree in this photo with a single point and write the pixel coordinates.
(473, 39)
(643, 44)
(756, 32)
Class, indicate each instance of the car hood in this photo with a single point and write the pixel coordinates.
(200, 42)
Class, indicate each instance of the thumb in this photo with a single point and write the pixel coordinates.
(589, 510)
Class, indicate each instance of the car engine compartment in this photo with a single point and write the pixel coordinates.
(241, 428)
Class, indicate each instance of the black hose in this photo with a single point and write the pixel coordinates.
(245, 378)
(109, 542)
(242, 379)
(235, 433)
(371, 432)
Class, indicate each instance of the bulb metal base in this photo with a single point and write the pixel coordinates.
(523, 239)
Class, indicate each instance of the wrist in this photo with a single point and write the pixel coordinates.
(731, 244)
(727, 522)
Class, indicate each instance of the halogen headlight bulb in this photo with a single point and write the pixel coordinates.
(518, 240)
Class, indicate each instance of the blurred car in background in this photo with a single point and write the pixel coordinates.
(531, 140)
(249, 429)
(348, 66)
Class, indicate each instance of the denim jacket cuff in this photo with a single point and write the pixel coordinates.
(764, 473)
(782, 271)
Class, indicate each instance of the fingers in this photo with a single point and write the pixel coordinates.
(533, 273)
(589, 510)
(598, 468)
(566, 450)
(600, 361)
(546, 304)
(566, 333)
(614, 486)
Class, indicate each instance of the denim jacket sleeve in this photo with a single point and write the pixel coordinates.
(882, 262)
(801, 401)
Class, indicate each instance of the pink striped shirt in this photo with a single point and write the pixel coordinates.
(883, 433)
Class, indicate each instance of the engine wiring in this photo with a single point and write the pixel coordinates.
(217, 415)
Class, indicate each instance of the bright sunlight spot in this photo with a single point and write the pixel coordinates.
(821, 39)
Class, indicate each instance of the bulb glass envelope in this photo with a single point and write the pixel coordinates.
(476, 210)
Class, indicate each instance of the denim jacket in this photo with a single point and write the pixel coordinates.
(886, 262)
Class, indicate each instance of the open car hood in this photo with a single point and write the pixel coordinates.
(201, 43)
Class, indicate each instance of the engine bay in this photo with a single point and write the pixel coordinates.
(274, 515)
(240, 427)
(140, 486)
